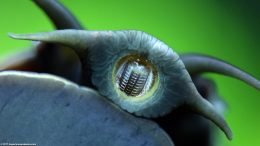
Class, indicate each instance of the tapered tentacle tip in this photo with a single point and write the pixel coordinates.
(258, 85)
(37, 36)
(228, 132)
(76, 39)
(254, 82)
(13, 35)
(206, 109)
(43, 36)
(17, 36)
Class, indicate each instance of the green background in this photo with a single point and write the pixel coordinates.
(229, 30)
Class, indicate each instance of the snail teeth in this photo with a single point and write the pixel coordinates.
(134, 76)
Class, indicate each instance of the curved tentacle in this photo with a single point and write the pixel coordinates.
(179, 124)
(205, 109)
(79, 40)
(209, 91)
(61, 17)
(197, 64)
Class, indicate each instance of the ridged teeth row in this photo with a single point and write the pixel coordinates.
(134, 78)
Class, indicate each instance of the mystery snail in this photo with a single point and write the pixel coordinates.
(134, 70)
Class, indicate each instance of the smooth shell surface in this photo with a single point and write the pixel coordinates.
(47, 110)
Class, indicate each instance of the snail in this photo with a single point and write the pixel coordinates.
(132, 69)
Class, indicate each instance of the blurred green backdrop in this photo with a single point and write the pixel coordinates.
(229, 30)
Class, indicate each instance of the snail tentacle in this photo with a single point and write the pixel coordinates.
(61, 17)
(65, 37)
(197, 64)
(206, 109)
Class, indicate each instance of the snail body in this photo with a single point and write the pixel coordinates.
(134, 70)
